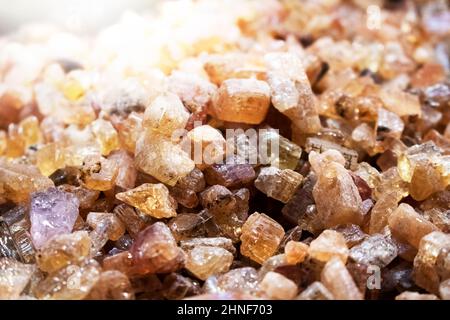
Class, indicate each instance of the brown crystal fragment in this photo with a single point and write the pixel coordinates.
(189, 225)
(352, 233)
(69, 283)
(176, 287)
(217, 242)
(133, 220)
(405, 223)
(204, 261)
(63, 250)
(321, 145)
(327, 245)
(229, 174)
(126, 175)
(276, 286)
(260, 237)
(336, 196)
(427, 272)
(151, 199)
(278, 184)
(296, 252)
(111, 285)
(338, 281)
(155, 251)
(242, 100)
(98, 173)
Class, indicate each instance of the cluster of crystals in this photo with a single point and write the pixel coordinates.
(342, 193)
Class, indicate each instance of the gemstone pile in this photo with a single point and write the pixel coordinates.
(278, 150)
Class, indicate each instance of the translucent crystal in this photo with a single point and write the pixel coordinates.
(70, 283)
(260, 237)
(228, 209)
(53, 212)
(399, 102)
(50, 158)
(157, 156)
(188, 225)
(129, 131)
(165, 114)
(327, 245)
(155, 251)
(439, 218)
(98, 173)
(185, 191)
(427, 273)
(388, 182)
(302, 198)
(14, 277)
(106, 226)
(63, 250)
(278, 184)
(151, 199)
(336, 278)
(122, 261)
(281, 152)
(375, 250)
(106, 136)
(126, 175)
(320, 145)
(336, 195)
(315, 291)
(291, 90)
(296, 252)
(204, 261)
(382, 209)
(30, 131)
(18, 181)
(242, 100)
(406, 224)
(133, 220)
(276, 286)
(111, 285)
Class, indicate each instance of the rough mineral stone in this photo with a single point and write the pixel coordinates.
(336, 195)
(242, 280)
(133, 220)
(53, 212)
(106, 136)
(278, 184)
(276, 150)
(69, 283)
(229, 174)
(156, 251)
(14, 277)
(18, 181)
(159, 157)
(327, 245)
(165, 114)
(177, 287)
(63, 250)
(99, 173)
(151, 199)
(260, 237)
(189, 225)
(291, 90)
(426, 273)
(296, 252)
(127, 173)
(204, 261)
(321, 145)
(338, 281)
(111, 285)
(375, 250)
(315, 291)
(276, 286)
(352, 233)
(242, 100)
(407, 224)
